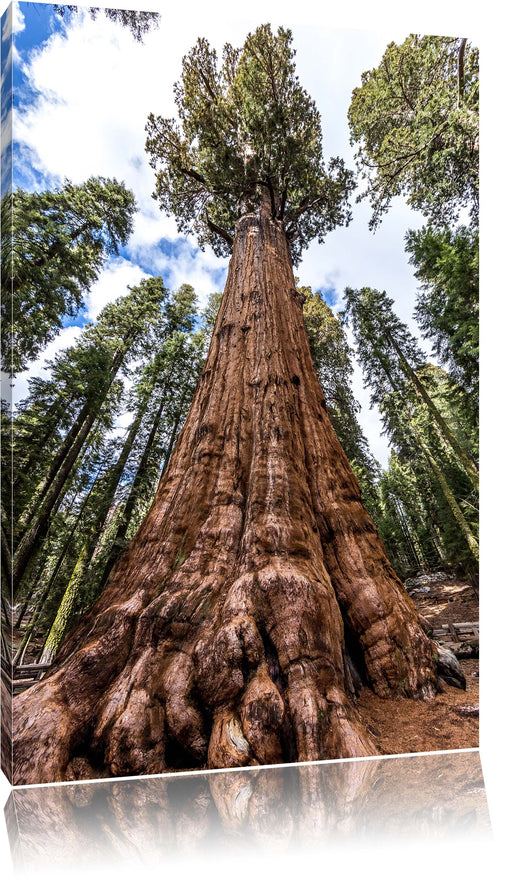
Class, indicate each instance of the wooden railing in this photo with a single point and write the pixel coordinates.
(455, 632)
(19, 677)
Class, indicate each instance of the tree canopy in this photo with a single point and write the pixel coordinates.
(57, 242)
(246, 131)
(414, 120)
(446, 265)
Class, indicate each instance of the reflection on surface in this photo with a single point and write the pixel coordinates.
(290, 808)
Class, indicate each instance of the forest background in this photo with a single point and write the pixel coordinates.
(494, 394)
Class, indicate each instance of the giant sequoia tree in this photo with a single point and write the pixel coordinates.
(238, 623)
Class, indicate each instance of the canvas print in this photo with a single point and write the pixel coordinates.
(240, 407)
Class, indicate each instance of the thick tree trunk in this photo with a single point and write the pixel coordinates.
(256, 584)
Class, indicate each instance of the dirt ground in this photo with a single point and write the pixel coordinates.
(450, 720)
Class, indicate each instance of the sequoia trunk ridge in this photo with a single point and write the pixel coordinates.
(234, 625)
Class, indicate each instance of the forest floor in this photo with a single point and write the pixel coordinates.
(450, 719)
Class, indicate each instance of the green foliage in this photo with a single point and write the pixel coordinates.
(80, 379)
(150, 335)
(419, 417)
(415, 121)
(332, 359)
(376, 326)
(441, 487)
(246, 131)
(57, 242)
(391, 356)
(139, 23)
(209, 314)
(409, 519)
(447, 302)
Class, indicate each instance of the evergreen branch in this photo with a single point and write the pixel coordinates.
(460, 70)
(284, 194)
(218, 230)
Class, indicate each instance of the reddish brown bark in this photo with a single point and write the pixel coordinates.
(223, 636)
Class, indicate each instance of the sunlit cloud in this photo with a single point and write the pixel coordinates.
(18, 19)
(117, 275)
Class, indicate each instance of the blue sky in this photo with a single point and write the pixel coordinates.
(83, 90)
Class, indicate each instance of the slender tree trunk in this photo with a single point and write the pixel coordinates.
(33, 523)
(30, 594)
(175, 428)
(78, 431)
(48, 583)
(133, 496)
(450, 499)
(23, 467)
(57, 460)
(67, 606)
(222, 637)
(416, 556)
(444, 430)
(38, 527)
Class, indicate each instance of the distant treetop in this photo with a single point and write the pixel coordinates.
(139, 23)
(414, 120)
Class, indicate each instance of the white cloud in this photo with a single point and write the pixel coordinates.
(18, 19)
(96, 87)
(185, 264)
(14, 21)
(118, 273)
(66, 337)
(87, 117)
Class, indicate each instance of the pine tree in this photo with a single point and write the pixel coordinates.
(409, 515)
(57, 241)
(410, 429)
(415, 121)
(171, 373)
(446, 265)
(332, 360)
(389, 352)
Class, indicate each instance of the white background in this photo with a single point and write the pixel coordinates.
(486, 24)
